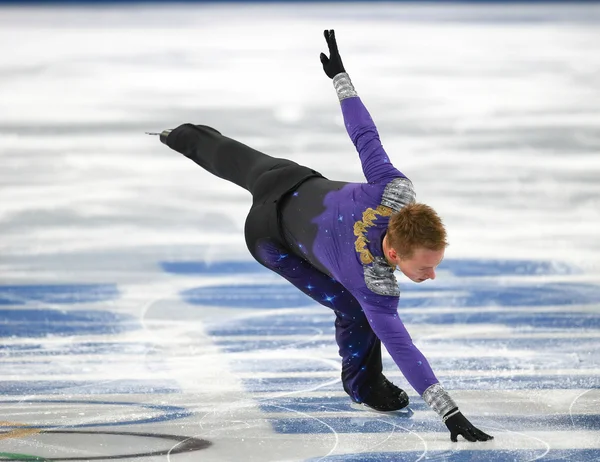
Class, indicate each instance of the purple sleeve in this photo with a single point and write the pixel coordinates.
(375, 162)
(382, 314)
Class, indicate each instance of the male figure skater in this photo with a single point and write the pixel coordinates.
(340, 244)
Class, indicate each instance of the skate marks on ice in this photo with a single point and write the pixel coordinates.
(82, 382)
(518, 375)
(81, 379)
(511, 376)
(91, 207)
(286, 359)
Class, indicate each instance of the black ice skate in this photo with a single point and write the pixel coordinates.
(383, 396)
(163, 135)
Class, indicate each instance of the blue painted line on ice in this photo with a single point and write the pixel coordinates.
(476, 295)
(43, 322)
(384, 423)
(289, 324)
(167, 413)
(325, 404)
(78, 387)
(522, 382)
(469, 455)
(260, 364)
(570, 320)
(217, 268)
(559, 345)
(566, 353)
(281, 325)
(451, 382)
(503, 361)
(87, 348)
(248, 296)
(458, 267)
(548, 341)
(266, 344)
(265, 385)
(481, 267)
(510, 363)
(60, 294)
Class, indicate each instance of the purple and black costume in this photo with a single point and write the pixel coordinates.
(325, 237)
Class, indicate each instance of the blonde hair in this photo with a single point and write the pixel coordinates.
(415, 226)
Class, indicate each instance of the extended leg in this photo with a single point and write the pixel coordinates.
(222, 156)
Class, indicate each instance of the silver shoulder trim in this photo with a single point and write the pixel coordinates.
(343, 86)
(438, 399)
(380, 279)
(398, 193)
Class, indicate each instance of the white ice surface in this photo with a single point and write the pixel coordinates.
(491, 111)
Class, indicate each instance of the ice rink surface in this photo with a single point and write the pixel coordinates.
(136, 327)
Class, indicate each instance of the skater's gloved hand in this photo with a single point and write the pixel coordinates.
(332, 65)
(459, 425)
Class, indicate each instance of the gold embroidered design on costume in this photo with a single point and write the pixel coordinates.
(360, 231)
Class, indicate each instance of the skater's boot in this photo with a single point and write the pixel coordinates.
(162, 135)
(382, 395)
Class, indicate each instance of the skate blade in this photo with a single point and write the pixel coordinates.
(405, 412)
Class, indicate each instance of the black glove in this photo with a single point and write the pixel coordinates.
(459, 425)
(332, 65)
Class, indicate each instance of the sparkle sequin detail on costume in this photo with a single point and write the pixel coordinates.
(398, 193)
(438, 399)
(380, 279)
(343, 86)
(360, 231)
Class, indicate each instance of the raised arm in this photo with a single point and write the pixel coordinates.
(375, 162)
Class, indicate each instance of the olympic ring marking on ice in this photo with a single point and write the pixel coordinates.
(21, 431)
(184, 444)
(25, 457)
(169, 413)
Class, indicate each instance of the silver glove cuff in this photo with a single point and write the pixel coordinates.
(452, 414)
(438, 399)
(343, 86)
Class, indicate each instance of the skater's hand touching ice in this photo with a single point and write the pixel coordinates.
(459, 425)
(332, 65)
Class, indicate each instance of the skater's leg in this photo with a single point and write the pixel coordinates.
(360, 350)
(222, 156)
(359, 347)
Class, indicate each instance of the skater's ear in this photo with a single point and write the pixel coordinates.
(392, 253)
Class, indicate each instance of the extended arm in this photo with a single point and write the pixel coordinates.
(375, 162)
(382, 314)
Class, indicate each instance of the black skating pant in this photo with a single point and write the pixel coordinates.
(269, 179)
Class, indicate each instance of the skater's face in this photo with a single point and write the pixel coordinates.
(421, 266)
